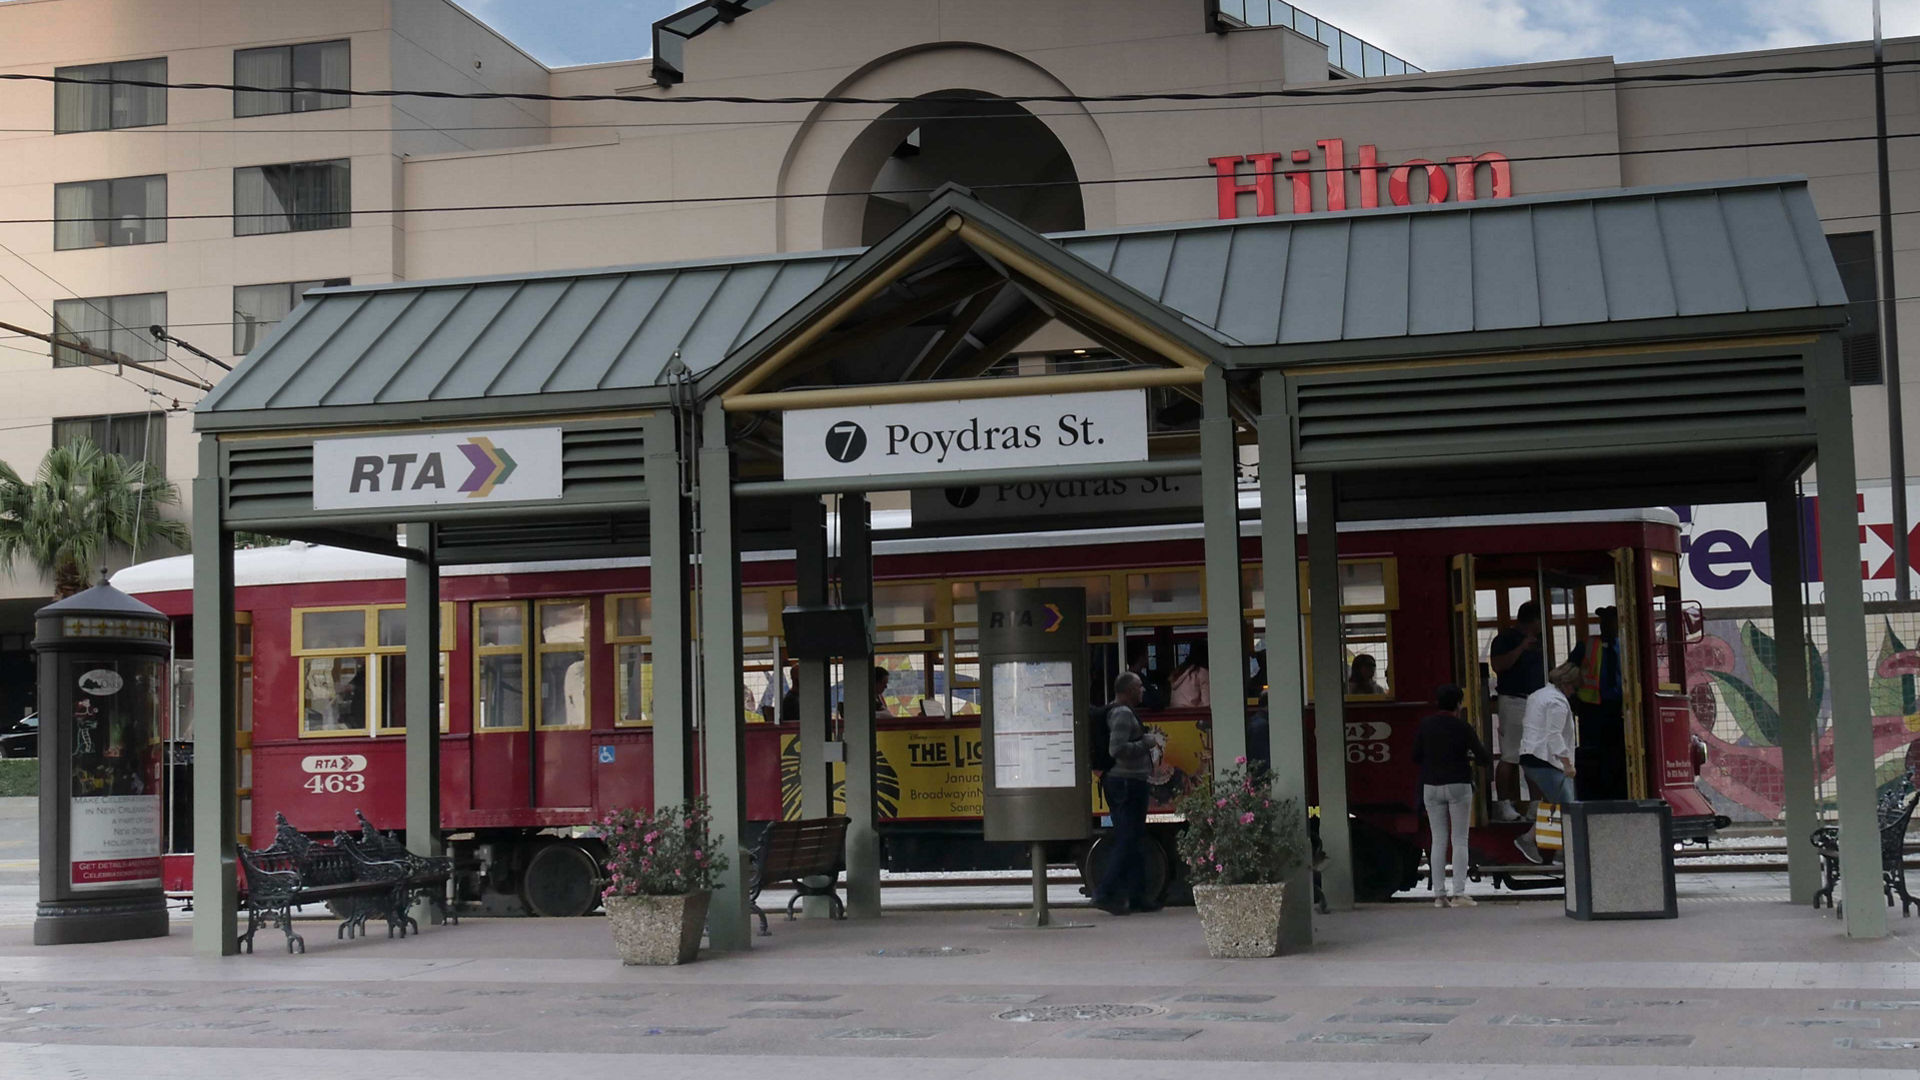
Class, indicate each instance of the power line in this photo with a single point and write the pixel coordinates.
(1003, 115)
(1366, 89)
(23, 260)
(1278, 169)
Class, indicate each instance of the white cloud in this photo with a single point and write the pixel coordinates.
(1439, 34)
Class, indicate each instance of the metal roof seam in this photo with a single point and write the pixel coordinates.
(433, 392)
(639, 327)
(706, 305)
(586, 327)
(266, 401)
(379, 394)
(381, 335)
(539, 324)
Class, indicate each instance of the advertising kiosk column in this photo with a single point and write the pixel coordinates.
(103, 694)
(1033, 674)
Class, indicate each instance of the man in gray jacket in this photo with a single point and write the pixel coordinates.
(1122, 886)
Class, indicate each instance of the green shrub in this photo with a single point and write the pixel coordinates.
(19, 776)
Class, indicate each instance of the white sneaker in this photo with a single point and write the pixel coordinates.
(1440, 901)
(1463, 900)
(1527, 847)
(1504, 812)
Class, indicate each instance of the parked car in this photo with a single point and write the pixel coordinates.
(23, 738)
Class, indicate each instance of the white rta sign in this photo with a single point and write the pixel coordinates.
(963, 436)
(463, 468)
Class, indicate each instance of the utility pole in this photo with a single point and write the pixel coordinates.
(1890, 329)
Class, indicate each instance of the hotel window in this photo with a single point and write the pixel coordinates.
(308, 69)
(353, 669)
(297, 197)
(1860, 341)
(110, 213)
(79, 107)
(132, 437)
(113, 324)
(257, 309)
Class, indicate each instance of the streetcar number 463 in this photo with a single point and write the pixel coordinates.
(336, 783)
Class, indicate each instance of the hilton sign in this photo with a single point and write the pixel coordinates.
(1458, 176)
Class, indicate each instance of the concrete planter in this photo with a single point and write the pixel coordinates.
(657, 929)
(1240, 921)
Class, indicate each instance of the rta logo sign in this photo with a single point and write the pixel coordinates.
(846, 441)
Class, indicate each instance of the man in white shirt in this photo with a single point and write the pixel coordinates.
(1546, 744)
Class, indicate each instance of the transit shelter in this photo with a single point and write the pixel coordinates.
(1558, 353)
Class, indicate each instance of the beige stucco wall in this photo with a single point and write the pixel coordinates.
(421, 153)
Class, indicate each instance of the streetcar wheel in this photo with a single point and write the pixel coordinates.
(561, 880)
(1154, 874)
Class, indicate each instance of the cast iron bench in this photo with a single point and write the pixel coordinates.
(1895, 815)
(427, 875)
(296, 871)
(801, 852)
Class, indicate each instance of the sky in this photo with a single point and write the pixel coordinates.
(1434, 34)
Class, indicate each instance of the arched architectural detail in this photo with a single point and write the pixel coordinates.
(832, 151)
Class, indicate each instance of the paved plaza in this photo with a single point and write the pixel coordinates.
(1742, 984)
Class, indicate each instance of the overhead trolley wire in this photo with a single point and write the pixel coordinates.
(678, 200)
(1362, 89)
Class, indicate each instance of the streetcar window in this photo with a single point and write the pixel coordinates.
(630, 629)
(1164, 592)
(903, 613)
(353, 669)
(333, 689)
(1669, 640)
(499, 666)
(562, 649)
(333, 629)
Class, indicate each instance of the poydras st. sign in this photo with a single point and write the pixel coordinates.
(963, 436)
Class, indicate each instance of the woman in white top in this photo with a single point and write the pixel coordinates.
(1546, 745)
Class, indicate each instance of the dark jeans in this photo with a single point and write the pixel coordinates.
(1125, 876)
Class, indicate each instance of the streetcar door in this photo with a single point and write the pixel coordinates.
(1633, 702)
(1466, 660)
(531, 706)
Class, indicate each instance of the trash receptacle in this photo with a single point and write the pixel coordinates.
(1620, 860)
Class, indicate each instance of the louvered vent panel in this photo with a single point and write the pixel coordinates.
(266, 481)
(1503, 410)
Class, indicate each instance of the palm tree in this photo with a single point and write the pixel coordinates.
(82, 502)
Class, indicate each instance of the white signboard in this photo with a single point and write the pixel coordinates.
(463, 468)
(115, 842)
(1034, 498)
(1033, 741)
(958, 436)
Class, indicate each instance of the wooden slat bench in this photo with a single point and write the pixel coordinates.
(801, 853)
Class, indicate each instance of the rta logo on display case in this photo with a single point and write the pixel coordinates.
(846, 441)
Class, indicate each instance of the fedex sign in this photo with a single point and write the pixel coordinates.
(1726, 551)
(1237, 175)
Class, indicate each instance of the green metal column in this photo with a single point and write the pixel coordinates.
(1847, 656)
(423, 699)
(863, 836)
(1796, 712)
(1226, 626)
(1329, 685)
(811, 689)
(723, 719)
(667, 550)
(215, 927)
(1279, 552)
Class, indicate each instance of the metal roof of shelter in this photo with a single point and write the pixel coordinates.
(1299, 284)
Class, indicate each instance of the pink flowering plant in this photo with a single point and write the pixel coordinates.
(669, 852)
(1236, 832)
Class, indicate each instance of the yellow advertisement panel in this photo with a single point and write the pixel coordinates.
(934, 773)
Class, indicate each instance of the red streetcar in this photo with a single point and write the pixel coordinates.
(547, 682)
